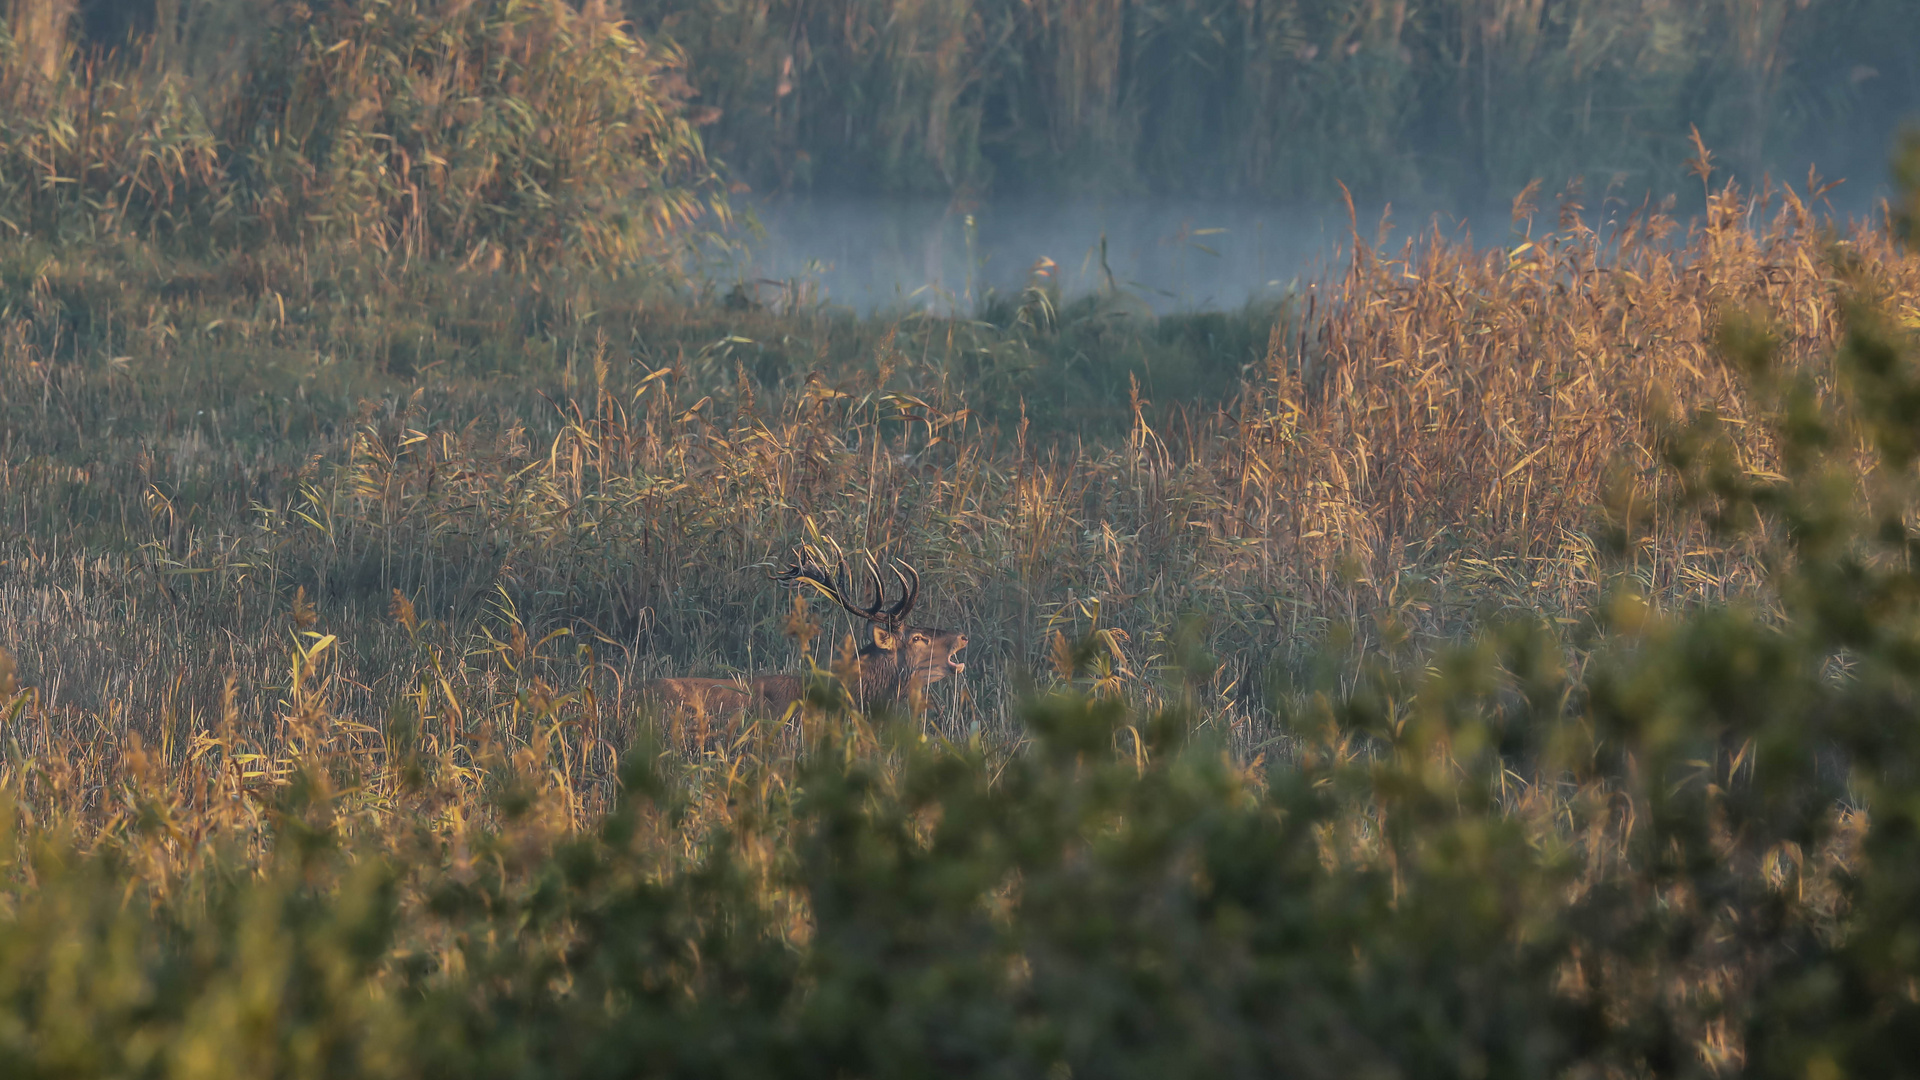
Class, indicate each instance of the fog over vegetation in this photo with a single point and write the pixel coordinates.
(1484, 646)
(881, 254)
(870, 132)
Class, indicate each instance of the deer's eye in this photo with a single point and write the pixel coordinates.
(919, 639)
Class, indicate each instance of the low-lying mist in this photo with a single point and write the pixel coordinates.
(878, 255)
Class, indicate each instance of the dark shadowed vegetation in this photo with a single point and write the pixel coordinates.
(1462, 100)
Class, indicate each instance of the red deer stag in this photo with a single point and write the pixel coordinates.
(896, 666)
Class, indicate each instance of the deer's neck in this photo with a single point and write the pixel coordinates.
(881, 677)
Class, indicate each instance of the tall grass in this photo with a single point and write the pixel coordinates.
(531, 132)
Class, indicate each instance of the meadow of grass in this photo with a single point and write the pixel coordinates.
(1492, 660)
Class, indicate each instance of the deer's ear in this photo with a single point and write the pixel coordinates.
(885, 638)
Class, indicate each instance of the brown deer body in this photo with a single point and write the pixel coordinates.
(896, 666)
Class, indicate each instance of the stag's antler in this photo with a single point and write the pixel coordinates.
(838, 586)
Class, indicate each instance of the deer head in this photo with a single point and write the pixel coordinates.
(900, 660)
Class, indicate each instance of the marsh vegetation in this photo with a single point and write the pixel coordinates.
(1484, 660)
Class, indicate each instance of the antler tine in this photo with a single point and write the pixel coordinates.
(802, 568)
(879, 593)
(839, 583)
(909, 590)
(833, 584)
(843, 586)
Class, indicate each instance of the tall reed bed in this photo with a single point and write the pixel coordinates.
(529, 132)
